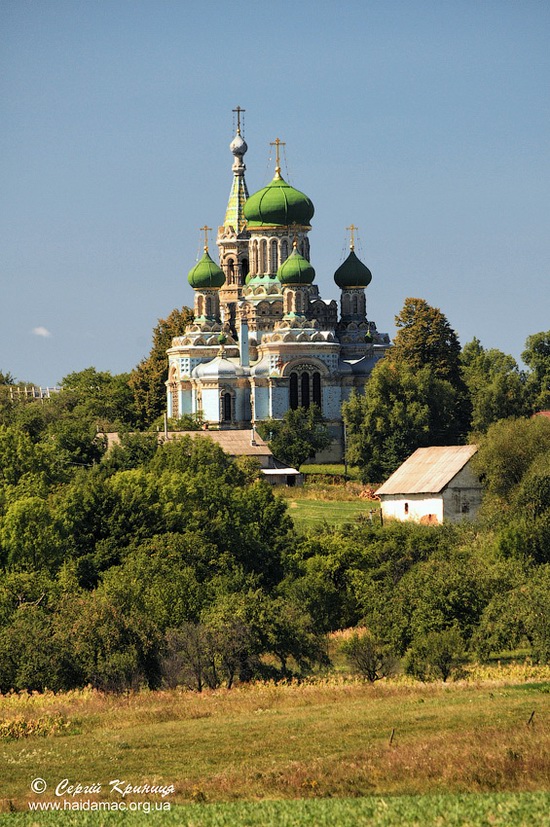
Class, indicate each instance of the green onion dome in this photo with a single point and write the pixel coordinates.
(352, 273)
(278, 204)
(296, 270)
(206, 274)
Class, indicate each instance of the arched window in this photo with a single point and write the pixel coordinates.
(284, 250)
(317, 389)
(274, 257)
(298, 302)
(200, 306)
(354, 304)
(230, 270)
(305, 389)
(255, 263)
(208, 308)
(245, 269)
(263, 256)
(226, 407)
(294, 391)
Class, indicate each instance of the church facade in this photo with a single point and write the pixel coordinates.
(262, 339)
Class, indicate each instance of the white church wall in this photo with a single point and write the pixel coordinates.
(211, 404)
(279, 402)
(261, 403)
(332, 401)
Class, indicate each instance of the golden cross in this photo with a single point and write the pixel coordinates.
(277, 143)
(238, 110)
(205, 230)
(352, 229)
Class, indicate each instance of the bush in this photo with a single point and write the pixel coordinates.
(368, 657)
(437, 655)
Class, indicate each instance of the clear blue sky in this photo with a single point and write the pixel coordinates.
(426, 124)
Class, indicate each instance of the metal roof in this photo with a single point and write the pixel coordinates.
(428, 470)
(234, 442)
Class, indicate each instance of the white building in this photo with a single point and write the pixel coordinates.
(433, 485)
(263, 340)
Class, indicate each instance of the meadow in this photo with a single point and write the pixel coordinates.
(325, 499)
(325, 751)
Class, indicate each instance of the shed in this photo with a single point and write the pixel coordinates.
(433, 485)
(237, 443)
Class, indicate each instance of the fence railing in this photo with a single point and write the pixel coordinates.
(28, 392)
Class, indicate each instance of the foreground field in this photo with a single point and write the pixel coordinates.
(490, 810)
(315, 740)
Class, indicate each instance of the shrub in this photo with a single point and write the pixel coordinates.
(370, 658)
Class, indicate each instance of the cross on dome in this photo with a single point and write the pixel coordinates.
(205, 230)
(277, 143)
(352, 228)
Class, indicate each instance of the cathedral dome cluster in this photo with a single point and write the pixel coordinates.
(262, 340)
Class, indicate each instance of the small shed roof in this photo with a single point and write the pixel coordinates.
(236, 443)
(428, 470)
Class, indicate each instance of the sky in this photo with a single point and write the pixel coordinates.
(426, 123)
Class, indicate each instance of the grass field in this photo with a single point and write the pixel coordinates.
(328, 739)
(333, 504)
(489, 810)
(308, 513)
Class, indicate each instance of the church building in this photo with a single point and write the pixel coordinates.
(262, 339)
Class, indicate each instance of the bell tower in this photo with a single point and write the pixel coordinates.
(233, 236)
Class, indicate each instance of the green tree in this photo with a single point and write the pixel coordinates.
(517, 616)
(7, 378)
(148, 378)
(30, 535)
(495, 384)
(100, 398)
(537, 356)
(297, 436)
(437, 655)
(425, 337)
(402, 409)
(507, 452)
(368, 656)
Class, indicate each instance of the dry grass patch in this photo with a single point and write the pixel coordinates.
(323, 738)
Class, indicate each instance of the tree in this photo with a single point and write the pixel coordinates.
(537, 356)
(297, 436)
(370, 658)
(495, 384)
(148, 378)
(425, 337)
(7, 378)
(507, 452)
(402, 409)
(437, 655)
(100, 398)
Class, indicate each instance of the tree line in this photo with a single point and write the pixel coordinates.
(151, 564)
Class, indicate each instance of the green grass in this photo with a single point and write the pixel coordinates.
(309, 513)
(492, 810)
(332, 470)
(325, 739)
